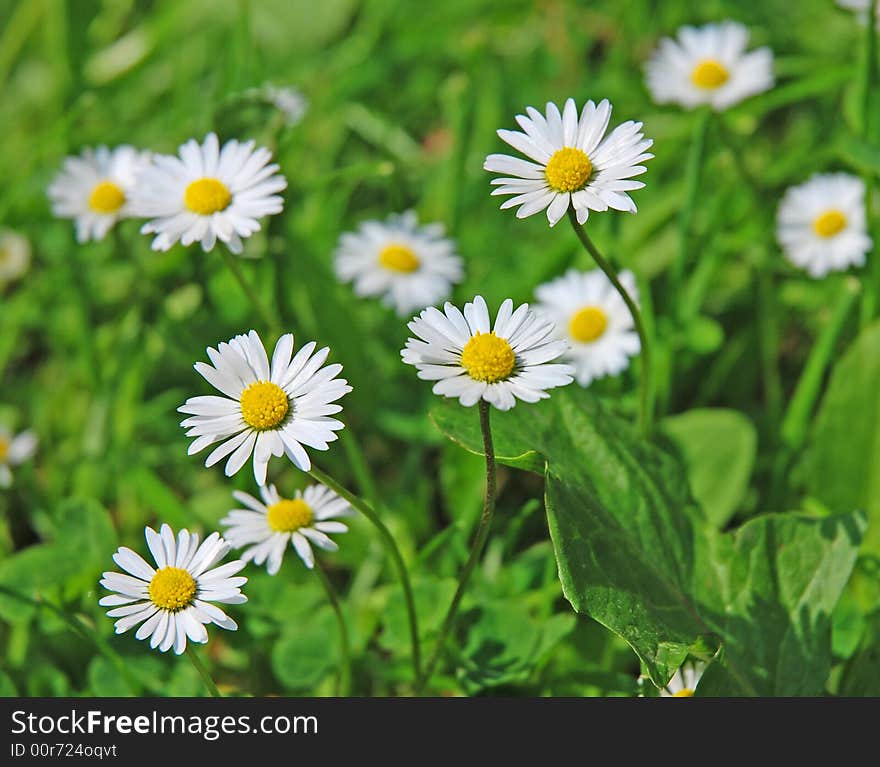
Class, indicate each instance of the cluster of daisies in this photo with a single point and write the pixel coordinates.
(282, 407)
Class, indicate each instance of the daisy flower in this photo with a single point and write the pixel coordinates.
(267, 526)
(14, 450)
(471, 360)
(410, 267)
(861, 6)
(684, 681)
(570, 163)
(208, 193)
(95, 189)
(265, 410)
(288, 101)
(591, 316)
(173, 601)
(15, 255)
(708, 65)
(821, 224)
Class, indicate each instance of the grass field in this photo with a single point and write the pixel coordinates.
(744, 533)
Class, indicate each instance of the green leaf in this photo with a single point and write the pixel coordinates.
(636, 553)
(843, 456)
(307, 651)
(718, 447)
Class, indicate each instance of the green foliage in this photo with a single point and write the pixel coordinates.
(636, 553)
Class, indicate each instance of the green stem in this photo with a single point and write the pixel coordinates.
(203, 672)
(391, 546)
(480, 538)
(343, 683)
(692, 185)
(871, 295)
(85, 631)
(768, 341)
(646, 385)
(269, 320)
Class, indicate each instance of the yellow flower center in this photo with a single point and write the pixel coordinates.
(710, 74)
(568, 170)
(4, 449)
(206, 196)
(588, 324)
(264, 405)
(398, 258)
(172, 589)
(685, 693)
(486, 357)
(829, 223)
(106, 197)
(287, 516)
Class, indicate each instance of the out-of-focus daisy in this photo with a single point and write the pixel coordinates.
(15, 255)
(471, 360)
(684, 681)
(409, 266)
(207, 194)
(289, 101)
(821, 224)
(591, 316)
(266, 410)
(14, 450)
(173, 601)
(708, 65)
(861, 7)
(95, 189)
(570, 163)
(267, 526)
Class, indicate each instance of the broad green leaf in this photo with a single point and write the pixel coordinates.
(718, 447)
(843, 457)
(432, 597)
(307, 651)
(636, 553)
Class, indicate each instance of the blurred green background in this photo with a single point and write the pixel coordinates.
(97, 341)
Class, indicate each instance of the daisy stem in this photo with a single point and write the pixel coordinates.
(343, 683)
(269, 320)
(692, 185)
(203, 672)
(646, 384)
(391, 545)
(480, 538)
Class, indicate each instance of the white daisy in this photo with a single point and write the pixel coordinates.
(172, 602)
(470, 360)
(708, 65)
(95, 189)
(684, 681)
(821, 224)
(267, 526)
(14, 450)
(591, 316)
(861, 7)
(265, 411)
(289, 101)
(410, 267)
(15, 255)
(208, 193)
(573, 164)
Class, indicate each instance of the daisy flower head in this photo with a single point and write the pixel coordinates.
(96, 188)
(267, 526)
(267, 410)
(173, 601)
(15, 255)
(591, 316)
(572, 163)
(14, 450)
(408, 266)
(471, 360)
(708, 65)
(208, 193)
(821, 224)
(684, 681)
